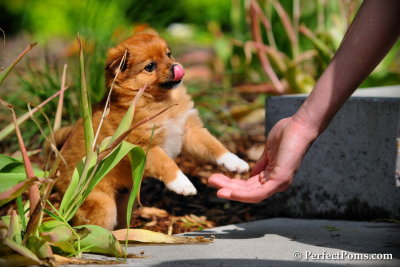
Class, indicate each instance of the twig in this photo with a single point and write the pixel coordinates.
(296, 21)
(51, 142)
(107, 105)
(4, 74)
(34, 195)
(57, 121)
(4, 51)
(287, 25)
(9, 128)
(270, 33)
(105, 152)
(255, 30)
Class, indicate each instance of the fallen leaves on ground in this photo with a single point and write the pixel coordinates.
(147, 236)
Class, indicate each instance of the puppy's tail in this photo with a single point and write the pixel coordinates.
(60, 136)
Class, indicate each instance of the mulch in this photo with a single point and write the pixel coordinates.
(191, 213)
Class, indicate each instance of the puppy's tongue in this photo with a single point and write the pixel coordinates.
(178, 72)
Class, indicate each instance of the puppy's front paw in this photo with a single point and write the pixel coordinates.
(182, 185)
(233, 163)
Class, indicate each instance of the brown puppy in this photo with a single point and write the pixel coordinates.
(149, 62)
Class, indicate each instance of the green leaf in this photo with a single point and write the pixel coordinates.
(15, 191)
(21, 212)
(5, 160)
(58, 235)
(40, 247)
(51, 214)
(108, 163)
(100, 240)
(15, 228)
(75, 190)
(86, 108)
(137, 158)
(75, 195)
(126, 121)
(12, 171)
(8, 180)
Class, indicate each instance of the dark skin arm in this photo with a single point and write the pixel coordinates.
(369, 38)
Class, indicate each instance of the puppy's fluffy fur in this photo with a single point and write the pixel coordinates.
(149, 62)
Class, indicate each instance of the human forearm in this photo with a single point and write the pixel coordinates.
(373, 32)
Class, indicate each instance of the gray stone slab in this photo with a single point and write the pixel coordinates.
(349, 171)
(276, 242)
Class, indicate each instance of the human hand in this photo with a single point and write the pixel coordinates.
(286, 145)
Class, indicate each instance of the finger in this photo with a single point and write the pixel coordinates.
(255, 195)
(261, 164)
(220, 180)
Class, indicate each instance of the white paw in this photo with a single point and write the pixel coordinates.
(233, 163)
(182, 185)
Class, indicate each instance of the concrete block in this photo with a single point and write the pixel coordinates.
(350, 170)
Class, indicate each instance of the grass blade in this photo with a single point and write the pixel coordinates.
(85, 104)
(4, 50)
(11, 127)
(287, 25)
(14, 231)
(117, 141)
(21, 212)
(256, 32)
(34, 195)
(57, 120)
(137, 158)
(128, 117)
(107, 105)
(4, 73)
(319, 45)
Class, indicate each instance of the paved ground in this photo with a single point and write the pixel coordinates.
(282, 242)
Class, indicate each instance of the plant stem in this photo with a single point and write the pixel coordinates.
(85, 105)
(57, 121)
(4, 74)
(11, 127)
(107, 105)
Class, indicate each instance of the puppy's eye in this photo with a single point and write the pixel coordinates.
(169, 54)
(150, 67)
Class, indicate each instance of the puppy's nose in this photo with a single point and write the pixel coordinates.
(178, 72)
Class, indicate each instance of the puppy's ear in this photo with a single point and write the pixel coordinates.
(115, 56)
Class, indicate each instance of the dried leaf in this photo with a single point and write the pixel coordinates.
(60, 260)
(16, 260)
(146, 236)
(148, 212)
(21, 250)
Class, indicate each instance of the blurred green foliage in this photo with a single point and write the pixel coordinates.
(222, 27)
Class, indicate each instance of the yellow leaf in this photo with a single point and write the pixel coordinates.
(147, 236)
